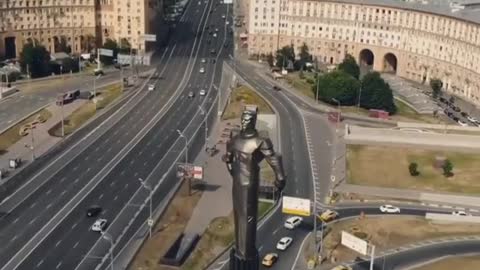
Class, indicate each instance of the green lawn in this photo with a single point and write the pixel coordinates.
(243, 96)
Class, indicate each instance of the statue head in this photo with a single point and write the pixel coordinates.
(249, 120)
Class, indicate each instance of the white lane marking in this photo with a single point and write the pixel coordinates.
(74, 225)
(116, 197)
(109, 149)
(76, 244)
(63, 193)
(15, 221)
(99, 159)
(75, 168)
(31, 206)
(49, 205)
(76, 180)
(276, 230)
(112, 184)
(58, 265)
(101, 196)
(31, 221)
(260, 248)
(122, 172)
(86, 158)
(39, 263)
(88, 169)
(126, 186)
(58, 243)
(63, 179)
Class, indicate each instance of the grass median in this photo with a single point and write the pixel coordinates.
(81, 115)
(11, 136)
(388, 167)
(242, 96)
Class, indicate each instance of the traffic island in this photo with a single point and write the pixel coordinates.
(105, 96)
(386, 233)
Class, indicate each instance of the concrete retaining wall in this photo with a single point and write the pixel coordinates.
(448, 218)
(436, 126)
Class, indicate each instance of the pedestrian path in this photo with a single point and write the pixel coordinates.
(42, 141)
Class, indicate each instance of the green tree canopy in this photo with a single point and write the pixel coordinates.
(110, 45)
(284, 56)
(350, 66)
(376, 93)
(436, 85)
(124, 46)
(36, 59)
(337, 85)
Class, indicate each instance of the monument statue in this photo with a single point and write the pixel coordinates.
(245, 150)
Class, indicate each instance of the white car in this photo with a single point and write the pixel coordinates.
(227, 22)
(214, 34)
(204, 60)
(293, 222)
(202, 92)
(461, 123)
(202, 70)
(99, 225)
(389, 209)
(460, 213)
(151, 87)
(473, 119)
(284, 243)
(223, 17)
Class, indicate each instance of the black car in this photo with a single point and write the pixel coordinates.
(443, 100)
(93, 211)
(464, 114)
(457, 109)
(213, 51)
(455, 119)
(225, 45)
(276, 88)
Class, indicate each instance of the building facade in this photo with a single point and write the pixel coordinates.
(418, 41)
(77, 24)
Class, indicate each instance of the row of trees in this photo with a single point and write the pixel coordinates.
(286, 58)
(35, 58)
(344, 85)
(447, 168)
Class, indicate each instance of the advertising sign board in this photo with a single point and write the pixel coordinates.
(296, 206)
(354, 243)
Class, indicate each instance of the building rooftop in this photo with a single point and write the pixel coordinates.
(466, 10)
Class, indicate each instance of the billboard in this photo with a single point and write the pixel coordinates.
(296, 206)
(149, 37)
(190, 170)
(354, 243)
(106, 52)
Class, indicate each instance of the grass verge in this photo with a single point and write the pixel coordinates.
(11, 136)
(86, 111)
(218, 236)
(389, 232)
(388, 167)
(242, 96)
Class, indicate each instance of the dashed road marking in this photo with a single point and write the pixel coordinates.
(58, 265)
(39, 263)
(76, 244)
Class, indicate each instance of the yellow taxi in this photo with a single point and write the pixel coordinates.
(269, 259)
(328, 215)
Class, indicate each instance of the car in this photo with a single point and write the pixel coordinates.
(473, 119)
(464, 114)
(293, 222)
(443, 100)
(202, 92)
(269, 259)
(284, 243)
(223, 17)
(388, 208)
(225, 45)
(99, 225)
(151, 87)
(342, 267)
(276, 88)
(214, 34)
(204, 60)
(202, 70)
(213, 51)
(227, 22)
(456, 119)
(93, 211)
(328, 215)
(461, 123)
(460, 213)
(456, 109)
(216, 30)
(191, 94)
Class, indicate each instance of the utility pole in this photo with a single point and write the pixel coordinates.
(63, 102)
(150, 197)
(206, 125)
(33, 142)
(109, 238)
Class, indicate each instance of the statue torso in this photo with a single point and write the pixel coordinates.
(246, 154)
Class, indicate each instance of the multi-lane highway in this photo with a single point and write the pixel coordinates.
(46, 227)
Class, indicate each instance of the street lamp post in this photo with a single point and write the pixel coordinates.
(109, 238)
(338, 112)
(206, 125)
(186, 144)
(318, 87)
(150, 197)
(63, 102)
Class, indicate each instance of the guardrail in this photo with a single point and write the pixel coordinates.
(449, 218)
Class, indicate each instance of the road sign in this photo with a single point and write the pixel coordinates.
(189, 170)
(149, 37)
(354, 243)
(296, 206)
(106, 52)
(228, 1)
(150, 222)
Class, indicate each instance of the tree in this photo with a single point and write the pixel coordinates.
(110, 45)
(125, 46)
(436, 86)
(270, 59)
(447, 168)
(88, 43)
(350, 66)
(284, 56)
(62, 45)
(376, 93)
(35, 60)
(305, 57)
(413, 169)
(337, 85)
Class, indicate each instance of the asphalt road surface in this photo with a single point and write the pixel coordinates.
(65, 245)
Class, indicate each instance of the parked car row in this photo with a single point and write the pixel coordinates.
(451, 110)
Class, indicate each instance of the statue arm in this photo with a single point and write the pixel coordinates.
(275, 162)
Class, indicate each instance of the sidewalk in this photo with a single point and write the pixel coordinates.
(42, 140)
(216, 200)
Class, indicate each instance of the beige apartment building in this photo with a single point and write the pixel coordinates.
(418, 40)
(80, 24)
